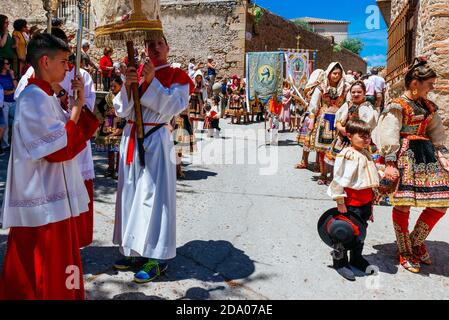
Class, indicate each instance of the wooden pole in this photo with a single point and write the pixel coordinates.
(137, 106)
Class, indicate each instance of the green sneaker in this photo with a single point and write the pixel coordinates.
(128, 263)
(150, 271)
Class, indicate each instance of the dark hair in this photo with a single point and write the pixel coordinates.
(44, 45)
(358, 126)
(3, 18)
(108, 50)
(192, 59)
(56, 22)
(59, 33)
(359, 83)
(19, 24)
(2, 63)
(374, 71)
(419, 70)
(118, 80)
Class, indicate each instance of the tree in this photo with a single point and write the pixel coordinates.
(303, 24)
(352, 44)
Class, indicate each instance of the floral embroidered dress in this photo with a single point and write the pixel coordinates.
(326, 101)
(410, 133)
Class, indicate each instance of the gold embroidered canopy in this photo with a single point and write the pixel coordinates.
(126, 20)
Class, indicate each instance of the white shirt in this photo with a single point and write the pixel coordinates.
(39, 192)
(85, 160)
(379, 83)
(191, 70)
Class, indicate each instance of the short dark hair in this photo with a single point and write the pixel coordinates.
(118, 80)
(56, 22)
(359, 83)
(59, 33)
(358, 126)
(44, 45)
(419, 70)
(192, 59)
(19, 24)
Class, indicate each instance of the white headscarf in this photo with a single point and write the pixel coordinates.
(315, 79)
(341, 85)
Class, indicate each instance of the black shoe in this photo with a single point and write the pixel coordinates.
(128, 263)
(346, 273)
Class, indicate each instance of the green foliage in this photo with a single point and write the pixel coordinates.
(352, 44)
(303, 24)
(337, 48)
(258, 13)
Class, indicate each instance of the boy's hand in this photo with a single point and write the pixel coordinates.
(342, 208)
(78, 85)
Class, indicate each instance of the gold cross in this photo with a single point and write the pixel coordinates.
(297, 41)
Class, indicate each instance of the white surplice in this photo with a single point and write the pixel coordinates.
(84, 158)
(39, 192)
(145, 215)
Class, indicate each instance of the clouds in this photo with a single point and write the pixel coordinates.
(376, 60)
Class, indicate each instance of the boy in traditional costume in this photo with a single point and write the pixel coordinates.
(410, 136)
(44, 189)
(355, 177)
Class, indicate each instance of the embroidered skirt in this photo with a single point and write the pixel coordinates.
(183, 135)
(423, 182)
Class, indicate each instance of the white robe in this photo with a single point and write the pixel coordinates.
(145, 213)
(84, 158)
(36, 189)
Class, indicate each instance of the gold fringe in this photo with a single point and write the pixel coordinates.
(134, 30)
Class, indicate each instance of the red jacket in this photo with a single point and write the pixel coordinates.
(106, 62)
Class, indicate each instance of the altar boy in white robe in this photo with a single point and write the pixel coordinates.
(44, 189)
(145, 215)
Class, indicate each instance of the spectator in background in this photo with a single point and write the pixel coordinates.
(7, 44)
(88, 64)
(211, 73)
(2, 120)
(106, 67)
(379, 88)
(9, 85)
(20, 35)
(123, 69)
(350, 77)
(193, 67)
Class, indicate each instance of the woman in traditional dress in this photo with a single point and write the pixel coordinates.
(111, 128)
(326, 100)
(198, 99)
(411, 136)
(235, 102)
(284, 117)
(316, 78)
(357, 108)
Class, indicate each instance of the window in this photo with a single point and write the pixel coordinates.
(401, 42)
(68, 12)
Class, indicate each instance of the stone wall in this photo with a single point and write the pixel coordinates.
(198, 29)
(274, 32)
(431, 40)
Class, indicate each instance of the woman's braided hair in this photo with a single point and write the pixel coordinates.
(418, 70)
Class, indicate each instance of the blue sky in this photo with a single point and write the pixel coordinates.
(369, 27)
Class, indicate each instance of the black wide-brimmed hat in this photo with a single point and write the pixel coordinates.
(335, 228)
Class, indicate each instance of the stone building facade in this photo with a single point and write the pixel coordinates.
(224, 29)
(429, 35)
(329, 28)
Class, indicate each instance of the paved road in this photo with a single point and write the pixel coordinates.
(246, 229)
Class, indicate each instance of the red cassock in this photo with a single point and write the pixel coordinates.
(44, 262)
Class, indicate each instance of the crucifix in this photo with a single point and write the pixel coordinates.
(298, 37)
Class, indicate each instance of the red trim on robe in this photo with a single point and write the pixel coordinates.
(358, 198)
(36, 262)
(76, 142)
(44, 85)
(85, 221)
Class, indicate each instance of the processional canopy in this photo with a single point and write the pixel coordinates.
(126, 20)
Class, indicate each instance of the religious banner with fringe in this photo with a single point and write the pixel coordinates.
(297, 69)
(264, 74)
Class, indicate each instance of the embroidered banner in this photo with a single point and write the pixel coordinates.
(264, 74)
(297, 69)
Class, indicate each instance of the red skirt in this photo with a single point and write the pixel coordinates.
(43, 263)
(85, 221)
